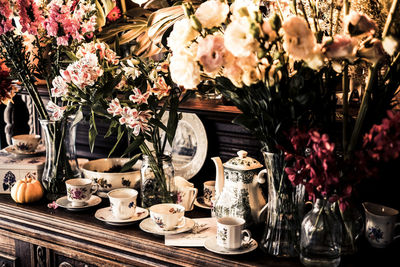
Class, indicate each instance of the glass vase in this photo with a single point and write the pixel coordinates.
(321, 234)
(61, 162)
(157, 183)
(282, 231)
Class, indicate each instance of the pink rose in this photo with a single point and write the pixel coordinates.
(211, 52)
(342, 46)
(357, 24)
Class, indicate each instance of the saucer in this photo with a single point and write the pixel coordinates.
(12, 150)
(65, 203)
(211, 245)
(106, 216)
(199, 202)
(149, 226)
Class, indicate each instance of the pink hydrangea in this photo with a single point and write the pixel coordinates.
(5, 16)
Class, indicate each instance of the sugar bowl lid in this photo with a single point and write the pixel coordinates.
(243, 162)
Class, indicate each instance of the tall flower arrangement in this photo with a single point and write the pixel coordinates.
(281, 68)
(37, 38)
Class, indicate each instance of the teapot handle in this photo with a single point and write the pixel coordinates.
(260, 176)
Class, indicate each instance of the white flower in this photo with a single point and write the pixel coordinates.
(238, 38)
(241, 8)
(185, 71)
(211, 53)
(299, 40)
(60, 87)
(138, 97)
(181, 35)
(56, 112)
(233, 71)
(316, 59)
(212, 13)
(130, 70)
(390, 45)
(114, 107)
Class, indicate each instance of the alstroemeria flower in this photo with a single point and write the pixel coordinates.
(161, 88)
(138, 97)
(60, 87)
(56, 112)
(114, 107)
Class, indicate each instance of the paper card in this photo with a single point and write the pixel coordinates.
(203, 229)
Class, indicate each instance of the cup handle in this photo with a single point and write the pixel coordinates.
(94, 188)
(246, 237)
(260, 176)
(195, 190)
(396, 236)
(183, 222)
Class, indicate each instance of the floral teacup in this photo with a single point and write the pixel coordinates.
(123, 202)
(25, 142)
(168, 216)
(79, 191)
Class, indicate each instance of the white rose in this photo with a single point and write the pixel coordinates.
(238, 39)
(185, 71)
(239, 8)
(212, 13)
(181, 35)
(299, 40)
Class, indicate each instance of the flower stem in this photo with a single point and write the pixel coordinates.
(389, 19)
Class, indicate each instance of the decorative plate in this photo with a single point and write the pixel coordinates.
(149, 226)
(189, 148)
(12, 150)
(65, 203)
(211, 245)
(106, 216)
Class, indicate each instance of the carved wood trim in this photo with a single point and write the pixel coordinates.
(8, 117)
(68, 236)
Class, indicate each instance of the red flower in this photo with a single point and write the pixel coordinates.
(114, 14)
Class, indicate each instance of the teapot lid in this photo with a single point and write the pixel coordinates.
(242, 162)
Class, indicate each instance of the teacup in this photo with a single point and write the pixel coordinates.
(168, 216)
(79, 191)
(209, 192)
(123, 202)
(230, 233)
(380, 224)
(25, 142)
(186, 193)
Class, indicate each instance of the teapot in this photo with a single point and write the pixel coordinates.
(237, 192)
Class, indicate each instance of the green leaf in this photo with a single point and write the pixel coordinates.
(112, 127)
(127, 166)
(121, 133)
(159, 124)
(92, 132)
(134, 145)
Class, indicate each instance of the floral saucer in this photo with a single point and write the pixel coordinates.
(106, 216)
(12, 150)
(149, 226)
(211, 245)
(199, 202)
(65, 203)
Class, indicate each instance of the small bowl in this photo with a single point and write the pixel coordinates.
(98, 171)
(25, 142)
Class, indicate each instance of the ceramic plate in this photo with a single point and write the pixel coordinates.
(149, 226)
(189, 148)
(106, 216)
(65, 203)
(211, 245)
(199, 202)
(12, 150)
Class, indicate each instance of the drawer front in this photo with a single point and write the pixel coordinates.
(7, 260)
(62, 261)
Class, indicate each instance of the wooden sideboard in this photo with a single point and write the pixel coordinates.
(34, 235)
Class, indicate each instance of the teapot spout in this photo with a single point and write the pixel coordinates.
(219, 177)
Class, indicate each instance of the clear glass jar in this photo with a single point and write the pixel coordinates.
(321, 234)
(157, 183)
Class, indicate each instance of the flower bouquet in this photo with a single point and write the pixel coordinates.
(35, 42)
(281, 64)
